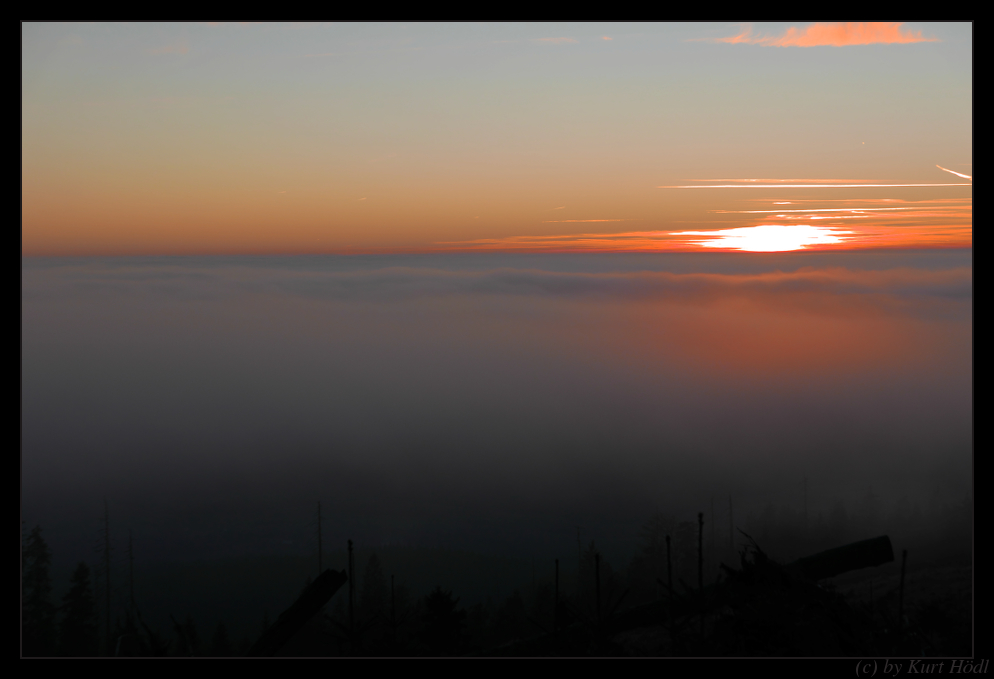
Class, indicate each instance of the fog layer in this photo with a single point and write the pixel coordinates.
(489, 402)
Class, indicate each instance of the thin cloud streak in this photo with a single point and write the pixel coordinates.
(801, 186)
(179, 48)
(958, 174)
(791, 181)
(832, 35)
(959, 202)
(826, 209)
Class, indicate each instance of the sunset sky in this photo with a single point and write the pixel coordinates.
(484, 283)
(313, 138)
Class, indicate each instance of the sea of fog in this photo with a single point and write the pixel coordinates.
(490, 402)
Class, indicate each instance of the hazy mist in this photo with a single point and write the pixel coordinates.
(490, 402)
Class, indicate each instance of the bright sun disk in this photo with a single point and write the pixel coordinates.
(769, 237)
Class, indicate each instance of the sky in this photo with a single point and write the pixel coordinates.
(305, 138)
(483, 284)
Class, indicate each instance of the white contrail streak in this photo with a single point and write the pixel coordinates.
(827, 209)
(964, 176)
(803, 186)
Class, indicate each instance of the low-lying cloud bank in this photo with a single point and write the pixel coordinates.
(483, 401)
(402, 283)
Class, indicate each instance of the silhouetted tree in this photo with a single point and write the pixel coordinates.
(480, 627)
(105, 548)
(838, 523)
(78, 631)
(189, 640)
(540, 609)
(443, 623)
(869, 513)
(37, 611)
(685, 555)
(609, 582)
(648, 566)
(512, 619)
(220, 643)
(399, 613)
(373, 598)
(128, 642)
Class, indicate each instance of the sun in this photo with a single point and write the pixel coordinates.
(769, 237)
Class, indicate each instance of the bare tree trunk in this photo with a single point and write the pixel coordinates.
(109, 648)
(700, 564)
(351, 596)
(131, 572)
(555, 604)
(320, 566)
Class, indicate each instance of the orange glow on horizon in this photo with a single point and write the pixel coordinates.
(731, 240)
(863, 223)
(366, 227)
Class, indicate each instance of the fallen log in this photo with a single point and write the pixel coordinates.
(314, 596)
(832, 562)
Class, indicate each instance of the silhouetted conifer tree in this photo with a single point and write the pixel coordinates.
(37, 611)
(373, 598)
(104, 547)
(128, 642)
(443, 623)
(609, 582)
(78, 631)
(480, 625)
(648, 566)
(186, 633)
(541, 608)
(685, 555)
(220, 643)
(838, 523)
(264, 625)
(512, 619)
(870, 513)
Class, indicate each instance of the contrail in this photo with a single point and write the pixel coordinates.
(562, 221)
(806, 186)
(827, 209)
(964, 176)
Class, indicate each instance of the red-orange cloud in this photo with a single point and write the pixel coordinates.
(835, 35)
